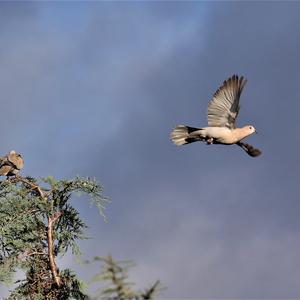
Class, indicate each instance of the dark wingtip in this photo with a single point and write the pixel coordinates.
(253, 152)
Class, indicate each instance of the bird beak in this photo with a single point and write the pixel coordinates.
(256, 132)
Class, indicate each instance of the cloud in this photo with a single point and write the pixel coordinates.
(100, 97)
(204, 265)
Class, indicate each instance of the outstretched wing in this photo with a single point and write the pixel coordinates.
(224, 107)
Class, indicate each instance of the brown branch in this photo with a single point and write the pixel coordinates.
(31, 184)
(51, 220)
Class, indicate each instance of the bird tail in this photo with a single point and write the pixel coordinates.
(182, 135)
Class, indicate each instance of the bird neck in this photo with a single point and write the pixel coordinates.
(241, 133)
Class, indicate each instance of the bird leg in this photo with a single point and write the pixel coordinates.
(209, 141)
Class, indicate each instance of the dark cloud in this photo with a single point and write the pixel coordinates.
(258, 195)
(11, 12)
(100, 99)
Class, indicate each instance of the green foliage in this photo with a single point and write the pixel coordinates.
(117, 287)
(39, 223)
(39, 286)
(27, 211)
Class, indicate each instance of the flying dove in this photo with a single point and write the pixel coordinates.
(222, 112)
(11, 164)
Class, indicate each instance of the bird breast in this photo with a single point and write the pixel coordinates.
(222, 135)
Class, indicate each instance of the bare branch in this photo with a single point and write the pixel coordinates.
(51, 220)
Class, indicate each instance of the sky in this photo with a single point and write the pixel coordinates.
(94, 89)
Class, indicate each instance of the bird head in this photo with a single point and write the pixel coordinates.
(250, 129)
(16, 159)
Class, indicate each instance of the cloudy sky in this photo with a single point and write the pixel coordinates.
(94, 88)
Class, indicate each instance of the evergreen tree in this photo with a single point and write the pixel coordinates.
(38, 223)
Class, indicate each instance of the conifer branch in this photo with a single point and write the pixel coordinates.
(149, 294)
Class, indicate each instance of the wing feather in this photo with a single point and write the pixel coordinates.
(224, 107)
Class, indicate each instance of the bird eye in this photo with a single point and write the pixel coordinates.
(250, 127)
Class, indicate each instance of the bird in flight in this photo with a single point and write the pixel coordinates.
(11, 164)
(222, 112)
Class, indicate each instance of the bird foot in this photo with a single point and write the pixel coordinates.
(209, 141)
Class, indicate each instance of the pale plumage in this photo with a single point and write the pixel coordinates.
(222, 112)
(11, 164)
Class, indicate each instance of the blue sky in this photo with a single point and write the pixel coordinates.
(94, 88)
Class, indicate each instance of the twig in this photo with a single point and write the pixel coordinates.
(149, 294)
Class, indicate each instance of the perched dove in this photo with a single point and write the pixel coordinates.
(221, 115)
(11, 164)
